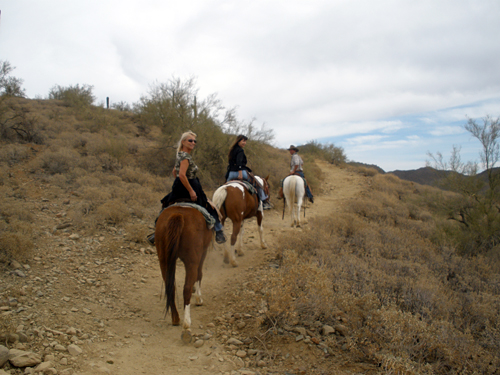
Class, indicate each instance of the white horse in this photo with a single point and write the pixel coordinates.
(294, 192)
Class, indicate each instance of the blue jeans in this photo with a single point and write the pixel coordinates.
(234, 176)
(308, 191)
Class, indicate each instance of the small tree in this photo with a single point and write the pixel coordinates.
(477, 208)
(488, 134)
(10, 86)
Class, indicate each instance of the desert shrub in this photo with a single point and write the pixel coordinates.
(58, 161)
(299, 287)
(15, 238)
(14, 153)
(135, 175)
(366, 171)
(59, 180)
(136, 233)
(92, 197)
(432, 310)
(113, 212)
(109, 163)
(73, 96)
(328, 152)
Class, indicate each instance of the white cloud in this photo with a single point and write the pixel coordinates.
(309, 70)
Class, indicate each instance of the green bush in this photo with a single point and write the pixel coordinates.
(73, 96)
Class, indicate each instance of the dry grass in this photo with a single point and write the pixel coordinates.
(413, 306)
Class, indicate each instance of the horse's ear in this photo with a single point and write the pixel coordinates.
(267, 178)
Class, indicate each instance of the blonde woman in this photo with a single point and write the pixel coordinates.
(186, 186)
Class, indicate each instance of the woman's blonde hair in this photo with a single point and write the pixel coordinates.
(185, 135)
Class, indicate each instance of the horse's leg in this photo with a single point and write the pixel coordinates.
(197, 284)
(191, 276)
(292, 214)
(234, 237)
(239, 245)
(163, 267)
(260, 216)
(299, 205)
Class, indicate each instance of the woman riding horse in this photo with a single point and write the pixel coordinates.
(238, 170)
(187, 186)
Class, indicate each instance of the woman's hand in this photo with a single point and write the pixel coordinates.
(193, 196)
(240, 175)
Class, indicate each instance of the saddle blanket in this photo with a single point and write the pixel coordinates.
(251, 189)
(208, 218)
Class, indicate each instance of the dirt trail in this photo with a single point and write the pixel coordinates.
(126, 329)
(155, 346)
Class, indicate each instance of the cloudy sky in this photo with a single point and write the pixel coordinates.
(388, 80)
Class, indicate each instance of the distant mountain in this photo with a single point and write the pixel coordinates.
(357, 164)
(423, 176)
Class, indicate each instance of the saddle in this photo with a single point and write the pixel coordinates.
(251, 189)
(184, 203)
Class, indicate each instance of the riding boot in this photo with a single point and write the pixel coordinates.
(220, 237)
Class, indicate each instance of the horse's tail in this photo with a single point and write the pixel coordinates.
(220, 196)
(174, 226)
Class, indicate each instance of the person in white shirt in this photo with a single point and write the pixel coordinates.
(296, 167)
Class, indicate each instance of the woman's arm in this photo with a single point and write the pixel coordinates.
(182, 176)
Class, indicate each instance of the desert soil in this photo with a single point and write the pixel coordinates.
(104, 295)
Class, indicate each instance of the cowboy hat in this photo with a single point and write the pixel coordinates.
(292, 147)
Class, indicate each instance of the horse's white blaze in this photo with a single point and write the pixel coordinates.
(187, 317)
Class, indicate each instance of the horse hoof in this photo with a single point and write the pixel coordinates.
(241, 253)
(186, 337)
(199, 303)
(234, 264)
(226, 260)
(263, 246)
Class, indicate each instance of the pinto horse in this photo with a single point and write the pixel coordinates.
(236, 203)
(182, 233)
(294, 192)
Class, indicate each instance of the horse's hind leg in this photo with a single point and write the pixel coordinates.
(299, 206)
(234, 236)
(239, 246)
(197, 288)
(197, 284)
(292, 214)
(260, 216)
(191, 277)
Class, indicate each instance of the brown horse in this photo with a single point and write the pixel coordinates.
(235, 202)
(182, 233)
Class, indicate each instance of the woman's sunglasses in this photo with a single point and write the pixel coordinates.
(191, 140)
